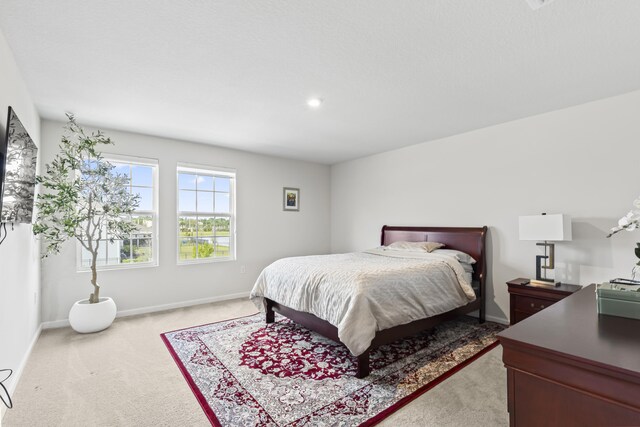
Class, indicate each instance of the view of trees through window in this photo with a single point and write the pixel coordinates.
(204, 215)
(208, 236)
(138, 248)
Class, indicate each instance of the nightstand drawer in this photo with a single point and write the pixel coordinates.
(531, 305)
(526, 300)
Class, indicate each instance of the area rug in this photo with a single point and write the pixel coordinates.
(247, 373)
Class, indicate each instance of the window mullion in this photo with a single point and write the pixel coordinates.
(201, 219)
(143, 217)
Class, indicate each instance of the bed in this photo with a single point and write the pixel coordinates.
(383, 329)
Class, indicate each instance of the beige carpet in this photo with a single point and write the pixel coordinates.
(124, 376)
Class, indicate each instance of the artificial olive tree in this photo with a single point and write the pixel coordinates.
(83, 198)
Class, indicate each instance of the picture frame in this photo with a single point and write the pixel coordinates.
(290, 199)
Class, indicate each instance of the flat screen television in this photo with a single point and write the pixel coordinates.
(3, 159)
(18, 160)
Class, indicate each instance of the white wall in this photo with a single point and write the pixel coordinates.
(583, 161)
(265, 232)
(19, 254)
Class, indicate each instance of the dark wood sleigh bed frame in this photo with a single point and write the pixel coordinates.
(466, 239)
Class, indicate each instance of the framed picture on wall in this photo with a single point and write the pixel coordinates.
(290, 199)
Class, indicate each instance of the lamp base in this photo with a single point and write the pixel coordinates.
(544, 283)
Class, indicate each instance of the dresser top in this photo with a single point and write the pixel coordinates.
(573, 327)
(563, 288)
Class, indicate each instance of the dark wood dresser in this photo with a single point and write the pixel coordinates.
(569, 366)
(527, 300)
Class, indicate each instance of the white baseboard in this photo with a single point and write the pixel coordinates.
(18, 373)
(62, 323)
(15, 378)
(52, 324)
(152, 309)
(496, 319)
(163, 307)
(490, 318)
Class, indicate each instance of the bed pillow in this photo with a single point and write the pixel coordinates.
(415, 246)
(462, 257)
(468, 268)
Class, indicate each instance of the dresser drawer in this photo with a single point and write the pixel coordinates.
(531, 305)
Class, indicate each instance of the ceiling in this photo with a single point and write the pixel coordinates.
(391, 74)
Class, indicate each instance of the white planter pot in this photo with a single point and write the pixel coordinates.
(86, 318)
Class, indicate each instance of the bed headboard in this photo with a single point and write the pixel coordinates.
(466, 239)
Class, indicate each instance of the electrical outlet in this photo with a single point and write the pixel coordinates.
(243, 269)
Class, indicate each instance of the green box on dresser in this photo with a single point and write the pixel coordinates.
(618, 300)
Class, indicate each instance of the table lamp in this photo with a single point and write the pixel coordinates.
(556, 227)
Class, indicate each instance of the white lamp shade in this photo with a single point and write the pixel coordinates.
(555, 227)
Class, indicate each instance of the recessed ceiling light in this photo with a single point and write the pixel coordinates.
(537, 4)
(314, 102)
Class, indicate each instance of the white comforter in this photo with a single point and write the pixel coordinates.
(361, 293)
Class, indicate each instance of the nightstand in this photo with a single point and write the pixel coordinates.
(527, 300)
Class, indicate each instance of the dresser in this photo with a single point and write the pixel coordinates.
(526, 300)
(570, 366)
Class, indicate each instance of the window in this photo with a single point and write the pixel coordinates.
(140, 248)
(206, 214)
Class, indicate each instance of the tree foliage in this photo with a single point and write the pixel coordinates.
(205, 250)
(83, 197)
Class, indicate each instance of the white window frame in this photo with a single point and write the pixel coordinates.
(212, 171)
(155, 238)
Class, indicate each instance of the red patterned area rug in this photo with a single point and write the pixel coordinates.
(246, 373)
